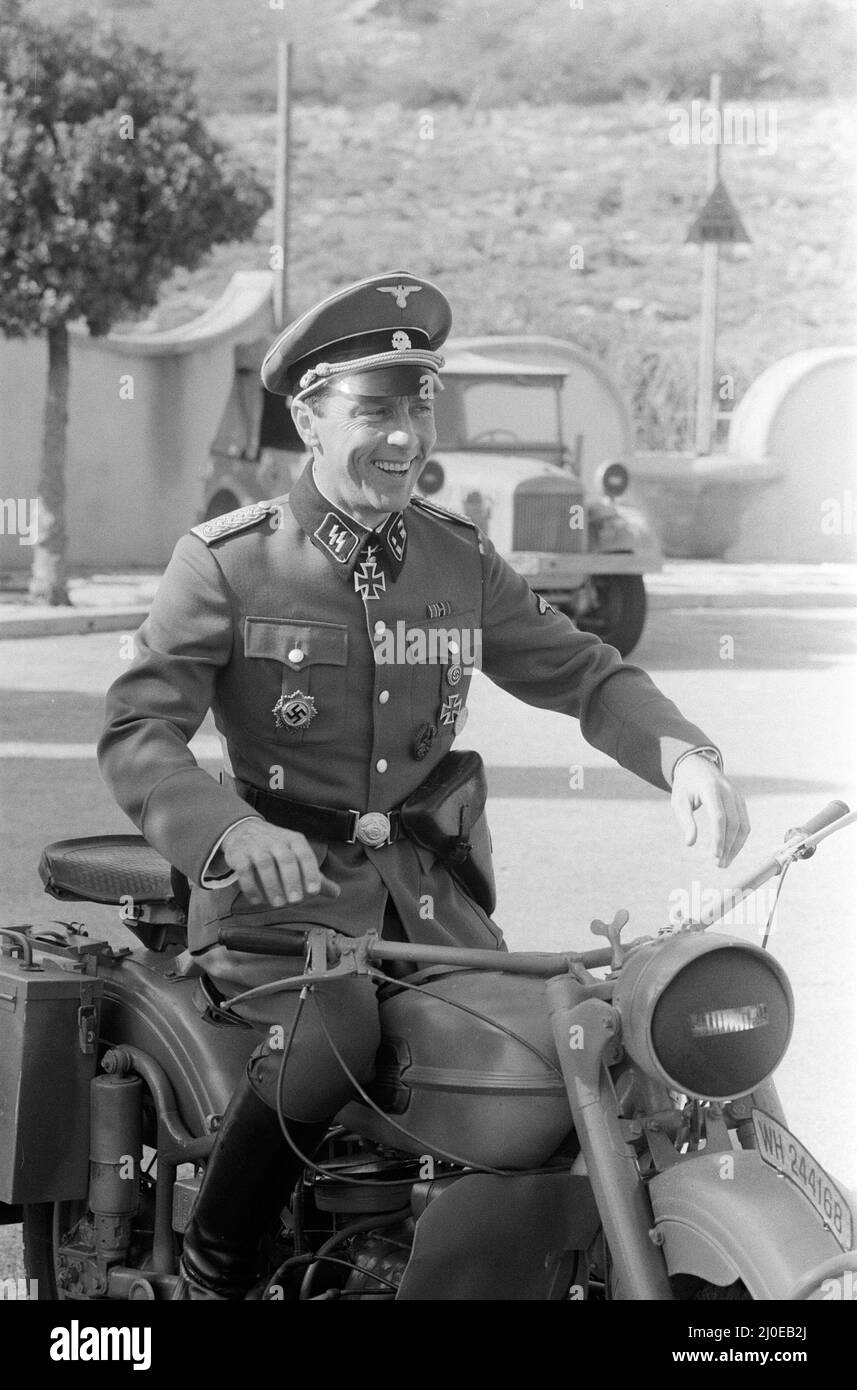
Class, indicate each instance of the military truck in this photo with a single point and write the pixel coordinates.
(517, 451)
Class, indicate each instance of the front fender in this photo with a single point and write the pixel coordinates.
(753, 1225)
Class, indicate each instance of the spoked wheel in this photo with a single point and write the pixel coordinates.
(618, 615)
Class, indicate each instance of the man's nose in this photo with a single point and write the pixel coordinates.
(404, 435)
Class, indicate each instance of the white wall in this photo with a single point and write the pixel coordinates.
(802, 414)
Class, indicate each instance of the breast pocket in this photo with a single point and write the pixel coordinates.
(448, 649)
(303, 677)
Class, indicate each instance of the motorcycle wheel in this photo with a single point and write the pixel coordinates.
(619, 614)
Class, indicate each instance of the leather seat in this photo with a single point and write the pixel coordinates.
(106, 868)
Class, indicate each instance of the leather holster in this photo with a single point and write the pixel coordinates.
(446, 814)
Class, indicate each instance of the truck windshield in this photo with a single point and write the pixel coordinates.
(501, 413)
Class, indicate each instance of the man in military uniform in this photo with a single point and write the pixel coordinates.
(280, 618)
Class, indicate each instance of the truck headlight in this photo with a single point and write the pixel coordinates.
(431, 479)
(709, 1016)
(613, 478)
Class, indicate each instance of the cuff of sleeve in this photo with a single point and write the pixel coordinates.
(706, 750)
(209, 878)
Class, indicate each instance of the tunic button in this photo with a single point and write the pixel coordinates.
(296, 655)
(383, 697)
(381, 765)
(380, 628)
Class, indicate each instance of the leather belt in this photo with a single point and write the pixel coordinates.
(372, 828)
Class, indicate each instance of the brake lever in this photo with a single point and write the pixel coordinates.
(352, 953)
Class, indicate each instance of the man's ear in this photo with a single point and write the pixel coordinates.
(303, 417)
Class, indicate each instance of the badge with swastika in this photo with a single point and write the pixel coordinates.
(294, 711)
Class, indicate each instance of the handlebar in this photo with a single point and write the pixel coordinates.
(276, 941)
(833, 811)
(800, 844)
(281, 941)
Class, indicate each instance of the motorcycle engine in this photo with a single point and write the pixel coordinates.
(379, 1258)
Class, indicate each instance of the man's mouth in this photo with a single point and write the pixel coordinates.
(393, 466)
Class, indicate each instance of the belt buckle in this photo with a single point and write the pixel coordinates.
(373, 829)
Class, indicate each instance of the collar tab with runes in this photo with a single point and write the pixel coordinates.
(341, 537)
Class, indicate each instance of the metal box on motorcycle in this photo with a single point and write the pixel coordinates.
(468, 1066)
(48, 1031)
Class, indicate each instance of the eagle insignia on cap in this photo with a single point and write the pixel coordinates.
(400, 291)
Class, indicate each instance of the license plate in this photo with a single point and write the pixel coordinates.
(780, 1150)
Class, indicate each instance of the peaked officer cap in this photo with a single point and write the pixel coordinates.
(376, 338)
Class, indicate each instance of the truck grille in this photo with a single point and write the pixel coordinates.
(542, 515)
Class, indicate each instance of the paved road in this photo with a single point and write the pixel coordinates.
(774, 687)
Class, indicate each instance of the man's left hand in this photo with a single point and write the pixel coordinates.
(699, 783)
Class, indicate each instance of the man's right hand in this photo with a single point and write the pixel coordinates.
(274, 866)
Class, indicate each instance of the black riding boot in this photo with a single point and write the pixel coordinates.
(247, 1182)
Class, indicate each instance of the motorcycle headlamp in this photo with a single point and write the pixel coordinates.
(709, 1016)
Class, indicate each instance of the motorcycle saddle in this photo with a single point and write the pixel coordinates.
(105, 869)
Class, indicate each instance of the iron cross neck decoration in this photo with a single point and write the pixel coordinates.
(294, 711)
(369, 580)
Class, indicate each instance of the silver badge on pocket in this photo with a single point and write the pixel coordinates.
(294, 711)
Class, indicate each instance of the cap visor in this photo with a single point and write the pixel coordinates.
(405, 380)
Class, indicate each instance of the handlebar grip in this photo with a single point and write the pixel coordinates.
(263, 941)
(833, 811)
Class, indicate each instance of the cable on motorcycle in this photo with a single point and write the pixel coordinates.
(474, 1013)
(305, 1160)
(377, 1222)
(408, 1134)
(770, 921)
(388, 1119)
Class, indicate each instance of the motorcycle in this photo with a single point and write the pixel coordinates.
(593, 1125)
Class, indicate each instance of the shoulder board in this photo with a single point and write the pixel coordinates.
(232, 522)
(435, 510)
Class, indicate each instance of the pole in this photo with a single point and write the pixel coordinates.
(281, 182)
(710, 267)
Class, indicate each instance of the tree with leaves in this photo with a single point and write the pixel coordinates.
(108, 182)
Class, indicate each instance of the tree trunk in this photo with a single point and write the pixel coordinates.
(48, 577)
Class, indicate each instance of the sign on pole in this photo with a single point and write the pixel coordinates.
(719, 219)
(718, 222)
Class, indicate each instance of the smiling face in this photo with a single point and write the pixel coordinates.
(368, 451)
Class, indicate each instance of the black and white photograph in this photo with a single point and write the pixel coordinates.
(428, 583)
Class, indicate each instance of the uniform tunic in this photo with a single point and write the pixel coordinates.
(262, 606)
